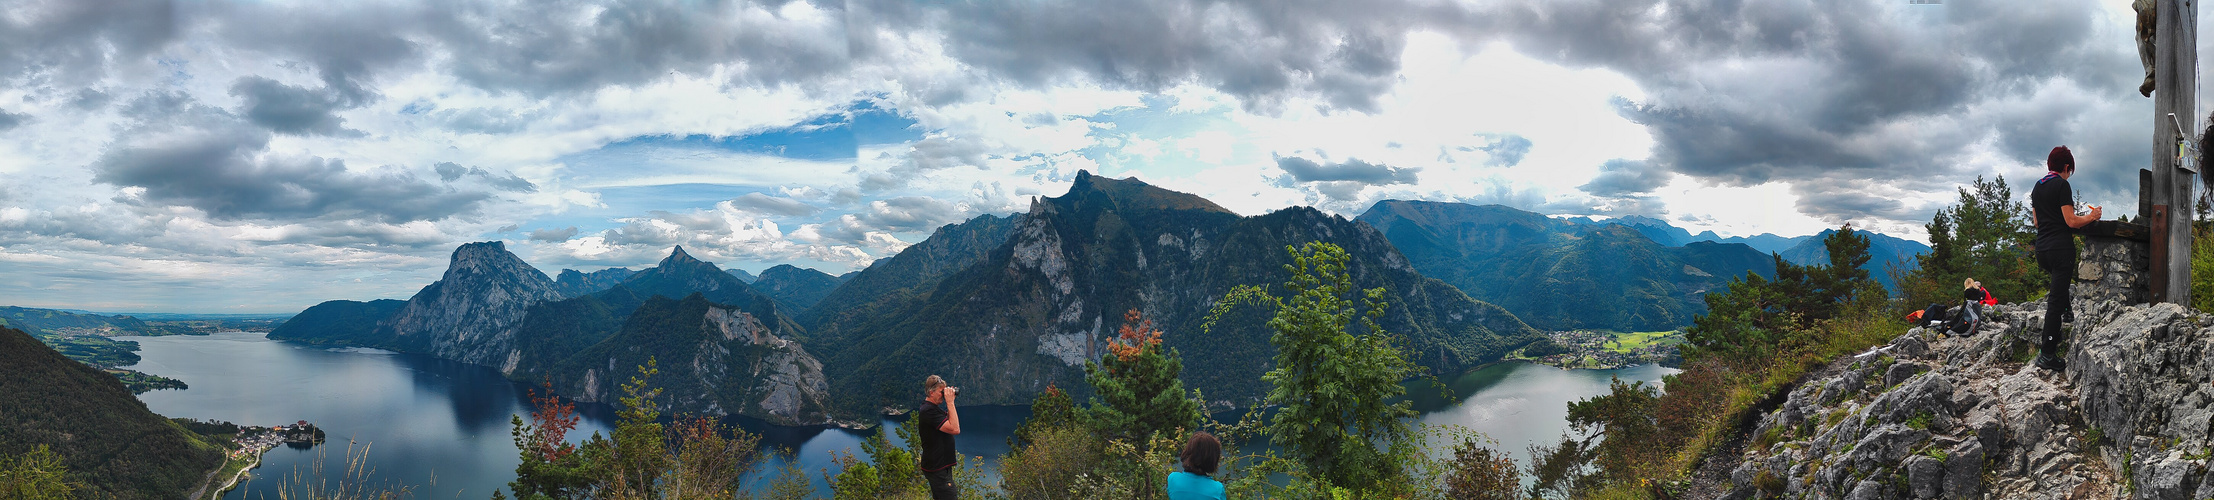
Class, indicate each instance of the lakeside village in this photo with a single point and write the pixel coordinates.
(248, 443)
(1602, 350)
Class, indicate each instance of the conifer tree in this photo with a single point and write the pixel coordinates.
(1136, 393)
(1053, 409)
(1332, 385)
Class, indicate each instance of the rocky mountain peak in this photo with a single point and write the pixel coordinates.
(1131, 195)
(678, 257)
(469, 314)
(1937, 416)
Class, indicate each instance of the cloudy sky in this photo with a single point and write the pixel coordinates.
(262, 156)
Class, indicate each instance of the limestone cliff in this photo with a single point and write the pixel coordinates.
(469, 315)
(1965, 417)
(714, 360)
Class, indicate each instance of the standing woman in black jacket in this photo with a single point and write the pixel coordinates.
(2053, 209)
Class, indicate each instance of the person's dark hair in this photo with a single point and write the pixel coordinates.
(2060, 160)
(1202, 453)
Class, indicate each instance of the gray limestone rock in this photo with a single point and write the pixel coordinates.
(1898, 373)
(1925, 476)
(1964, 470)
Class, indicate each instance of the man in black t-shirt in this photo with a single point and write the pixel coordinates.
(2052, 208)
(940, 422)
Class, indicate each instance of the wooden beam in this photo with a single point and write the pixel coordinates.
(2175, 73)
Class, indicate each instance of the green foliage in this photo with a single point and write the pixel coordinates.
(1053, 409)
(339, 322)
(881, 470)
(641, 460)
(789, 484)
(38, 475)
(1626, 416)
(1479, 473)
(1920, 420)
(1136, 393)
(141, 382)
(636, 455)
(1987, 236)
(1333, 386)
(2202, 267)
(1543, 348)
(103, 435)
(1758, 318)
(1052, 464)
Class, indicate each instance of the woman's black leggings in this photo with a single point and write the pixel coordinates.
(2060, 270)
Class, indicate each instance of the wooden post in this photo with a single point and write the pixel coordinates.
(2175, 73)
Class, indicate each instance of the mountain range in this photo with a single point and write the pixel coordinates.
(1005, 306)
(1561, 274)
(1885, 251)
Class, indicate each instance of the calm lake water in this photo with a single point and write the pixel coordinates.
(443, 427)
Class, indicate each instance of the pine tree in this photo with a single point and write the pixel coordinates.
(1053, 409)
(1332, 385)
(1986, 236)
(1136, 393)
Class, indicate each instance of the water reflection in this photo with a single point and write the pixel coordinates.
(443, 426)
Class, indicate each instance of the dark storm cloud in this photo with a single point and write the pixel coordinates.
(1743, 93)
(543, 49)
(186, 153)
(551, 235)
(77, 40)
(288, 109)
(345, 45)
(1847, 199)
(1345, 53)
(1620, 177)
(1353, 170)
(11, 120)
(773, 204)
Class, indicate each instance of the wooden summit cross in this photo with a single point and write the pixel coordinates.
(2164, 191)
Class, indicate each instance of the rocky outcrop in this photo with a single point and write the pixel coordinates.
(469, 314)
(1930, 416)
(714, 360)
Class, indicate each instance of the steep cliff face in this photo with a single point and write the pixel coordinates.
(1031, 311)
(470, 314)
(573, 283)
(714, 360)
(1964, 417)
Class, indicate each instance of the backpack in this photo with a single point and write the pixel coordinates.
(1933, 316)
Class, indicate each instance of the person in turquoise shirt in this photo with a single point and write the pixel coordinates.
(1201, 454)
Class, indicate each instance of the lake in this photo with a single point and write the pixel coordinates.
(443, 427)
